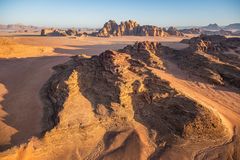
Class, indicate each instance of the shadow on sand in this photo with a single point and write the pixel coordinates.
(23, 79)
(88, 49)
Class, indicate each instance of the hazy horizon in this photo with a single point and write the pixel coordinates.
(93, 13)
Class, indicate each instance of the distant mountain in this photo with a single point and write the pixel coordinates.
(217, 32)
(18, 28)
(233, 26)
(191, 31)
(236, 33)
(213, 26)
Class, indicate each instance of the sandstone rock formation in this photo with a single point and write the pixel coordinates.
(61, 32)
(233, 26)
(215, 58)
(212, 27)
(19, 28)
(191, 31)
(71, 32)
(112, 106)
(124, 94)
(174, 31)
(213, 43)
(219, 32)
(111, 28)
(53, 32)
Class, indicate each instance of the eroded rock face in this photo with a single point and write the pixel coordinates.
(191, 31)
(127, 28)
(209, 43)
(146, 52)
(59, 32)
(213, 26)
(173, 31)
(219, 32)
(109, 28)
(215, 58)
(134, 106)
(53, 32)
(116, 106)
(71, 32)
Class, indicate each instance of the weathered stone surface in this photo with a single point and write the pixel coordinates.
(132, 28)
(215, 58)
(71, 32)
(173, 31)
(219, 32)
(191, 31)
(213, 27)
(53, 32)
(211, 43)
(60, 32)
(124, 93)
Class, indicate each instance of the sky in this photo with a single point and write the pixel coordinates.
(94, 13)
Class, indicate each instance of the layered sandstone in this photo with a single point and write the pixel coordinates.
(221, 32)
(132, 28)
(173, 31)
(61, 32)
(113, 106)
(215, 58)
(191, 31)
(53, 32)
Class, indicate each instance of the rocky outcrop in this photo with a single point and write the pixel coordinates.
(205, 43)
(19, 28)
(212, 43)
(132, 28)
(173, 31)
(213, 26)
(146, 52)
(109, 28)
(61, 32)
(71, 32)
(46, 31)
(53, 32)
(236, 33)
(113, 105)
(233, 26)
(134, 106)
(191, 31)
(220, 32)
(215, 58)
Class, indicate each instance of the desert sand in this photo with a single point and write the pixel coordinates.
(25, 65)
(24, 72)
